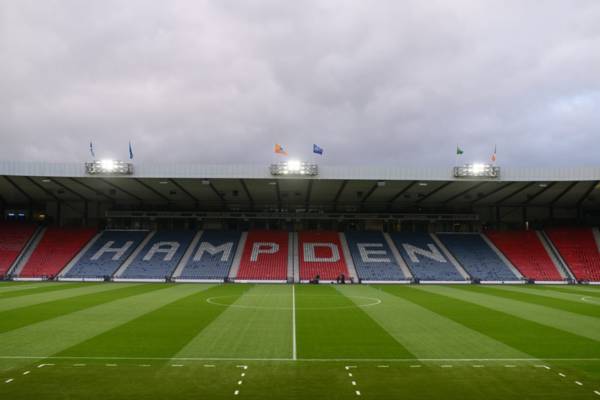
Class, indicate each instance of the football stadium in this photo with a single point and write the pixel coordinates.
(293, 280)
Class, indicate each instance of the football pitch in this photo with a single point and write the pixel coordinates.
(201, 341)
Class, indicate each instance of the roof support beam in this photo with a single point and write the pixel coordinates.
(68, 189)
(400, 193)
(19, 189)
(91, 189)
(43, 189)
(308, 194)
(544, 189)
(112, 185)
(214, 189)
(278, 191)
(250, 198)
(456, 196)
(587, 193)
(493, 192)
(150, 188)
(187, 193)
(515, 192)
(434, 191)
(338, 194)
(563, 193)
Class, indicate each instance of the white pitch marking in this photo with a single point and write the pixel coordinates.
(176, 365)
(510, 366)
(446, 366)
(561, 374)
(111, 365)
(209, 365)
(242, 366)
(236, 392)
(243, 374)
(358, 392)
(597, 392)
(350, 374)
(239, 382)
(578, 383)
(383, 366)
(44, 365)
(9, 380)
(542, 366)
(353, 383)
(294, 348)
(477, 366)
(415, 366)
(144, 365)
(350, 366)
(79, 365)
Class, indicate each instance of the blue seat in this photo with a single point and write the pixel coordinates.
(160, 256)
(477, 257)
(424, 257)
(212, 257)
(372, 257)
(107, 254)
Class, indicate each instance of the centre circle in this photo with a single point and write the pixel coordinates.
(219, 301)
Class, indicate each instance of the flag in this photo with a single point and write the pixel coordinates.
(279, 150)
(459, 151)
(130, 151)
(494, 154)
(317, 149)
(92, 150)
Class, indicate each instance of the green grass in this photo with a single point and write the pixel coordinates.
(165, 341)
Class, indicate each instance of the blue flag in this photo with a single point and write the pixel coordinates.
(92, 150)
(130, 151)
(317, 149)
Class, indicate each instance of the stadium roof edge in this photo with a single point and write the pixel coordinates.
(244, 171)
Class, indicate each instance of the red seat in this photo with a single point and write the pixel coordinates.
(54, 251)
(526, 252)
(13, 237)
(269, 263)
(327, 270)
(579, 249)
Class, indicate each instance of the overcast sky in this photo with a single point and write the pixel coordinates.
(396, 82)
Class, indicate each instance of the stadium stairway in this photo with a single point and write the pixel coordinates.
(372, 257)
(579, 249)
(321, 254)
(526, 252)
(426, 259)
(55, 249)
(477, 257)
(103, 255)
(14, 238)
(157, 257)
(265, 257)
(210, 256)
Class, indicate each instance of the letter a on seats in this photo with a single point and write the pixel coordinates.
(107, 248)
(169, 248)
(263, 248)
(433, 253)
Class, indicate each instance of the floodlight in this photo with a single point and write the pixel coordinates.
(477, 170)
(294, 165)
(109, 167)
(294, 168)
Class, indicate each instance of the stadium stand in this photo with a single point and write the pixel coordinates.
(321, 254)
(527, 253)
(13, 238)
(424, 257)
(372, 257)
(476, 257)
(159, 256)
(265, 256)
(579, 250)
(56, 248)
(107, 254)
(212, 257)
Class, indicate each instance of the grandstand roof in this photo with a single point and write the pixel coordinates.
(231, 187)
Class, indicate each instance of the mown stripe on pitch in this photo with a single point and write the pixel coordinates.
(426, 333)
(160, 333)
(24, 290)
(579, 289)
(55, 335)
(330, 325)
(257, 324)
(17, 318)
(66, 292)
(563, 301)
(514, 323)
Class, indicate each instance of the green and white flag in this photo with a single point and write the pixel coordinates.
(459, 151)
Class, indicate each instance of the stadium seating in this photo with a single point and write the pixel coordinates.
(13, 237)
(107, 254)
(212, 257)
(579, 249)
(321, 254)
(159, 256)
(265, 256)
(526, 252)
(424, 257)
(372, 257)
(54, 251)
(476, 257)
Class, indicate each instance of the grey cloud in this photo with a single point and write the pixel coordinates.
(382, 82)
